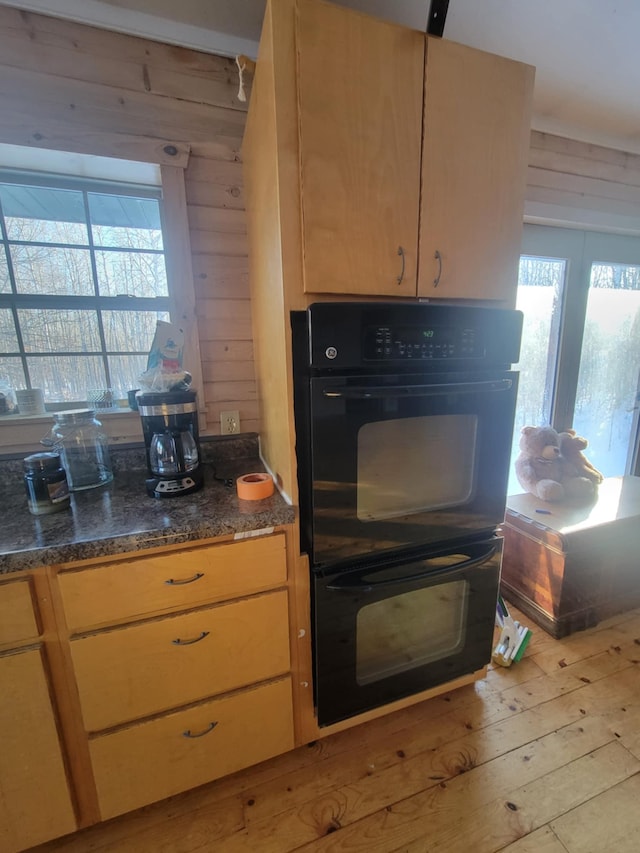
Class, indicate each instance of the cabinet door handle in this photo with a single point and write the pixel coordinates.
(438, 258)
(401, 253)
(179, 642)
(206, 731)
(196, 577)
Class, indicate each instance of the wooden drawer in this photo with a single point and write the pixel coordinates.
(17, 617)
(153, 760)
(133, 672)
(145, 585)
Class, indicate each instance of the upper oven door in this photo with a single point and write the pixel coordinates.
(405, 460)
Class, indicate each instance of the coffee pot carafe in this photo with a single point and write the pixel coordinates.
(170, 429)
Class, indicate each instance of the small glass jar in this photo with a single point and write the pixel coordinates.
(45, 482)
(84, 448)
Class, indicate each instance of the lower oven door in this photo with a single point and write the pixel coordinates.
(392, 629)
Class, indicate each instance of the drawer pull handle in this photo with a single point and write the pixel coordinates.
(196, 577)
(179, 642)
(206, 731)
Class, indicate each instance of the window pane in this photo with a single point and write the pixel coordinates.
(5, 282)
(127, 331)
(66, 378)
(59, 331)
(131, 273)
(67, 274)
(45, 270)
(125, 373)
(43, 214)
(609, 363)
(393, 635)
(12, 373)
(125, 222)
(8, 334)
(540, 285)
(415, 464)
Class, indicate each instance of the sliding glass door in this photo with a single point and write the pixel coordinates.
(580, 358)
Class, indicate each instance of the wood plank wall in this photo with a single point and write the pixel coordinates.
(77, 88)
(582, 184)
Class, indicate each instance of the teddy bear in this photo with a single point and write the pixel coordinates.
(579, 477)
(538, 466)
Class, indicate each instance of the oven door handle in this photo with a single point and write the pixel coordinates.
(347, 584)
(362, 392)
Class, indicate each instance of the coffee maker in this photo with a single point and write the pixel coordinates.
(170, 429)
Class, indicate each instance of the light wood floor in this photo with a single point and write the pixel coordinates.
(543, 757)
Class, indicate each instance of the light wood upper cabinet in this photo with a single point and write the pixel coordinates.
(412, 156)
(474, 160)
(360, 123)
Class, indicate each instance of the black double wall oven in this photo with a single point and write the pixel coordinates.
(404, 418)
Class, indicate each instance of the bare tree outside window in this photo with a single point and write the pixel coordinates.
(82, 283)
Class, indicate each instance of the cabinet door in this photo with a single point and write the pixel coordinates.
(360, 110)
(475, 152)
(34, 797)
(17, 617)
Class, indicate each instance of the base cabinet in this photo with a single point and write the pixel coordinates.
(182, 666)
(35, 800)
(129, 680)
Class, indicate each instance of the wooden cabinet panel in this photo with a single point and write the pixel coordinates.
(35, 804)
(474, 160)
(17, 619)
(360, 111)
(140, 586)
(155, 759)
(133, 672)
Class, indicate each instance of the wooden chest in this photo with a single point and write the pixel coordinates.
(567, 567)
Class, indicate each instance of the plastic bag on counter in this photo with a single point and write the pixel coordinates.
(164, 365)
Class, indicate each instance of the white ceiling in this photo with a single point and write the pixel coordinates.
(585, 51)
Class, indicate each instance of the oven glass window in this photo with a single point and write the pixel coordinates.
(410, 465)
(409, 630)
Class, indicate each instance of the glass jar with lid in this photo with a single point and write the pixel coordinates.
(84, 447)
(46, 484)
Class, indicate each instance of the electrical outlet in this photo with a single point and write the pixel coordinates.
(229, 423)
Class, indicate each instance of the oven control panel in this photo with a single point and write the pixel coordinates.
(391, 343)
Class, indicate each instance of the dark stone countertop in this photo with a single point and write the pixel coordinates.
(120, 517)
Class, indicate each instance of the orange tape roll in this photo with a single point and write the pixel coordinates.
(254, 487)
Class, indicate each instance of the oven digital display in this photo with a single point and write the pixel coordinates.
(421, 342)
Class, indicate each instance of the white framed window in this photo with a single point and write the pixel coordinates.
(82, 283)
(93, 251)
